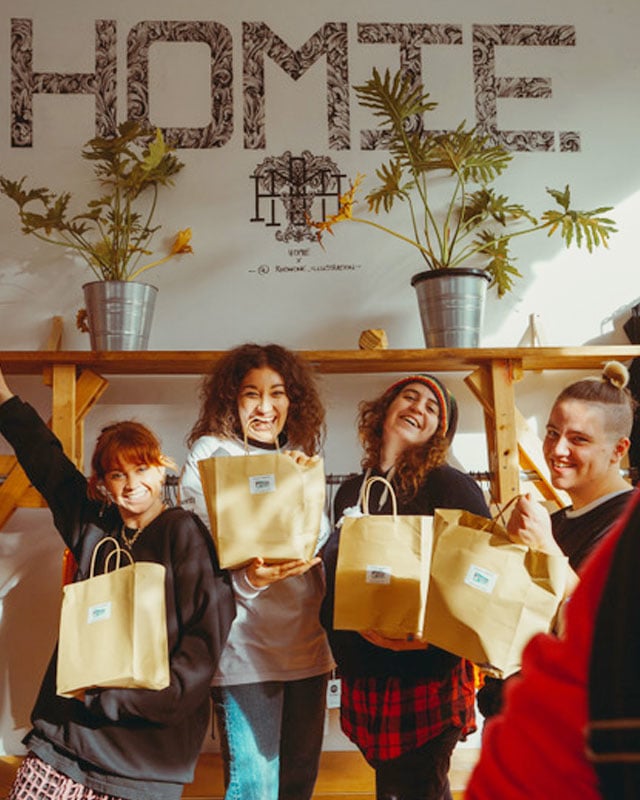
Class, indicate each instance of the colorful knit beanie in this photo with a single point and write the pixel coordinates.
(446, 401)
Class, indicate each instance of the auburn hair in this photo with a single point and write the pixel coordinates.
(126, 442)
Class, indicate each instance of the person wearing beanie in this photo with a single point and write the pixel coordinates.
(404, 704)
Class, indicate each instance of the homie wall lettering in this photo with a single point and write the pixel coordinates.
(259, 42)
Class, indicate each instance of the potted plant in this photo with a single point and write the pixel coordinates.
(467, 237)
(112, 233)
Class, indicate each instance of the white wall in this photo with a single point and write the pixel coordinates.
(217, 298)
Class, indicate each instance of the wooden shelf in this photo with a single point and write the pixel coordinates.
(198, 362)
(77, 381)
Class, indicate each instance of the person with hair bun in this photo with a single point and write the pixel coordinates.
(404, 704)
(587, 436)
(116, 742)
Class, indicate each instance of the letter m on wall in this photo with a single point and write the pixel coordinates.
(331, 41)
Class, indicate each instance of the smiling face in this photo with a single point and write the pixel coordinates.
(412, 418)
(137, 490)
(263, 404)
(583, 458)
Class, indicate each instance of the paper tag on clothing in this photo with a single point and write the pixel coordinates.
(334, 690)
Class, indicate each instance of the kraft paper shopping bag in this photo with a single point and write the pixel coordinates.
(487, 595)
(382, 571)
(263, 505)
(113, 629)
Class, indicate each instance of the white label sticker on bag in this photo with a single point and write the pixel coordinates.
(481, 578)
(261, 484)
(378, 574)
(99, 612)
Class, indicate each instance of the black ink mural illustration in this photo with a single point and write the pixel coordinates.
(25, 83)
(489, 87)
(285, 188)
(259, 42)
(410, 38)
(218, 38)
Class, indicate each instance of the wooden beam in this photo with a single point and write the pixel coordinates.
(530, 453)
(13, 488)
(72, 403)
(63, 412)
(6, 464)
(199, 362)
(503, 450)
(89, 388)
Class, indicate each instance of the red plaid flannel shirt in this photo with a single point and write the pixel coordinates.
(389, 716)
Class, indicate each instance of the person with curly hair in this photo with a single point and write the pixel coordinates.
(270, 687)
(404, 704)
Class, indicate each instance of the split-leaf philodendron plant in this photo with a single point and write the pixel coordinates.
(475, 225)
(113, 232)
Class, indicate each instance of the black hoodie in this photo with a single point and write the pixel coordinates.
(137, 744)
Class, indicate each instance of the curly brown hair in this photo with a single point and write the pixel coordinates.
(305, 424)
(414, 463)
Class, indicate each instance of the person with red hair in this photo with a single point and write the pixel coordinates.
(115, 742)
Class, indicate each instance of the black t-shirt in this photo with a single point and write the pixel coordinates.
(579, 535)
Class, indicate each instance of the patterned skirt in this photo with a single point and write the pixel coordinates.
(36, 780)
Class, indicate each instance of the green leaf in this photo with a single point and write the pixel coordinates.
(108, 232)
(391, 188)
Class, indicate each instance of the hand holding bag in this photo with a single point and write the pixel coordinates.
(263, 505)
(113, 629)
(487, 595)
(382, 571)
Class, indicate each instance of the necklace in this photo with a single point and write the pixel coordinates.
(130, 539)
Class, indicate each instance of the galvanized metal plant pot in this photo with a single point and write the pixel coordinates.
(451, 303)
(119, 314)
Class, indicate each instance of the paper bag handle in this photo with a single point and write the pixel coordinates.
(500, 514)
(117, 551)
(366, 489)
